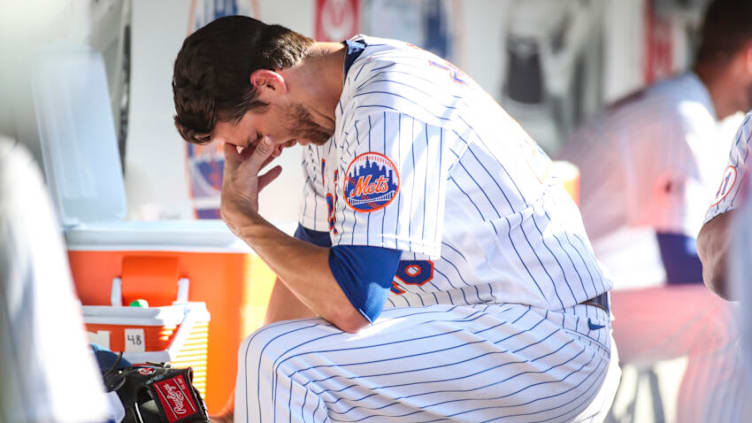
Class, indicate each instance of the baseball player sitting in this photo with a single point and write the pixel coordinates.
(438, 273)
(649, 166)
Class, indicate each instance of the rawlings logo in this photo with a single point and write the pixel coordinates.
(372, 182)
(176, 398)
(146, 371)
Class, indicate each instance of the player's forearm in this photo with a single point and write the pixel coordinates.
(304, 269)
(712, 248)
(284, 305)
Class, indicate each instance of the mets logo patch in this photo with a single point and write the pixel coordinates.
(371, 182)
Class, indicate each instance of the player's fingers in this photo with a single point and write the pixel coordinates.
(247, 151)
(268, 177)
(269, 160)
(261, 154)
(232, 157)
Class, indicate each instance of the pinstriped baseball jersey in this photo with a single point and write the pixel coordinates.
(728, 192)
(424, 161)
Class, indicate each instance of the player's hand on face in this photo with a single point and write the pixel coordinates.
(242, 182)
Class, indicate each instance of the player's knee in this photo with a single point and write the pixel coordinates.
(262, 349)
(258, 350)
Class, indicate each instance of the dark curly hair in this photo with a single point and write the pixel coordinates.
(211, 78)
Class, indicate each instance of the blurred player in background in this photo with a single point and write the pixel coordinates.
(451, 274)
(647, 165)
(47, 373)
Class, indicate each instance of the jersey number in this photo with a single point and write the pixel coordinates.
(412, 272)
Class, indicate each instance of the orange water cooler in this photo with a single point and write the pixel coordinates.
(225, 276)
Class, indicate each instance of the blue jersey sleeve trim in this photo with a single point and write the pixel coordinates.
(322, 239)
(365, 275)
(353, 50)
(679, 256)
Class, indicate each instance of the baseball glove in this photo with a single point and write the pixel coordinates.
(157, 393)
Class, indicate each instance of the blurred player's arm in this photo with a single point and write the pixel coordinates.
(712, 247)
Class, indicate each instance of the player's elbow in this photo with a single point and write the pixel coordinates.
(348, 319)
(714, 277)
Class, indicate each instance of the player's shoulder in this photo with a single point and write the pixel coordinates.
(740, 146)
(745, 130)
(379, 56)
(391, 65)
(671, 106)
(682, 102)
(392, 76)
(387, 50)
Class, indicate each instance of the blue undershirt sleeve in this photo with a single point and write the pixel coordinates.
(365, 275)
(322, 239)
(679, 256)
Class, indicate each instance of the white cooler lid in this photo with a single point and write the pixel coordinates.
(149, 316)
(163, 235)
(77, 136)
(82, 165)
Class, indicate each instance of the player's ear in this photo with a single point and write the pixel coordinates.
(268, 83)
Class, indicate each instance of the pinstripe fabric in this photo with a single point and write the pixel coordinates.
(483, 363)
(474, 196)
(483, 322)
(728, 191)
